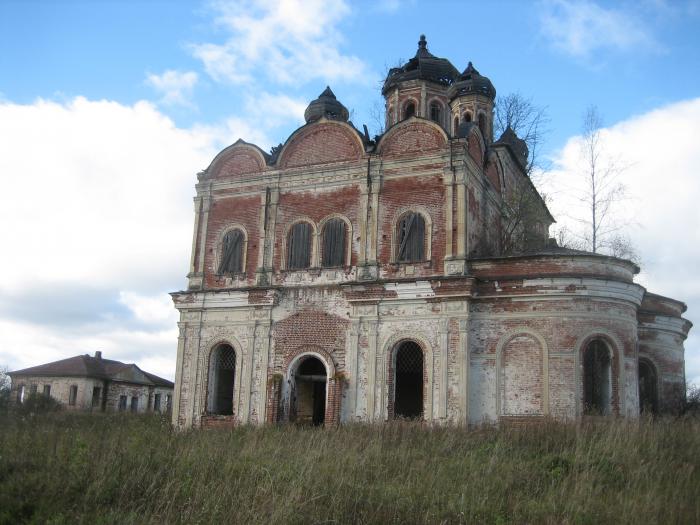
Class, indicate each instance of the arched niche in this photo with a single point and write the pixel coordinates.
(415, 136)
(321, 142)
(241, 158)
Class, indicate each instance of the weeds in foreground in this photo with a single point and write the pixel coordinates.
(67, 468)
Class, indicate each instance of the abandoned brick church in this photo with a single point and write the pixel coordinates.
(342, 278)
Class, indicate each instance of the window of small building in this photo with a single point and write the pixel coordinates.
(122, 403)
(168, 402)
(597, 377)
(232, 252)
(96, 396)
(435, 112)
(73, 395)
(134, 403)
(47, 390)
(409, 110)
(299, 246)
(411, 238)
(33, 389)
(333, 243)
(156, 403)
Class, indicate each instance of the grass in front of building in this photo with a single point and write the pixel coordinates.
(68, 468)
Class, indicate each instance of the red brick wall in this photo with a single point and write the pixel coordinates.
(416, 138)
(240, 161)
(522, 374)
(321, 143)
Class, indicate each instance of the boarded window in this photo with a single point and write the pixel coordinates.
(334, 243)
(299, 246)
(232, 252)
(134, 404)
(73, 395)
(411, 238)
(122, 403)
(435, 112)
(410, 110)
(47, 390)
(156, 403)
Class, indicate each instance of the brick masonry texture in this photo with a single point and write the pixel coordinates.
(502, 335)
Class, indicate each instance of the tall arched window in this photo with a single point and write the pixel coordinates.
(648, 394)
(299, 246)
(232, 252)
(435, 112)
(411, 238)
(222, 375)
(333, 235)
(456, 126)
(597, 378)
(409, 110)
(467, 117)
(482, 124)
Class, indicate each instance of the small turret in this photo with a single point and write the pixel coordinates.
(326, 105)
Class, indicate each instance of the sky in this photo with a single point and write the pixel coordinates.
(109, 109)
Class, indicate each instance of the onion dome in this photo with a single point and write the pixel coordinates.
(326, 105)
(470, 82)
(423, 66)
(516, 144)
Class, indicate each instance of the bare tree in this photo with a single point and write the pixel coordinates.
(603, 192)
(4, 378)
(529, 122)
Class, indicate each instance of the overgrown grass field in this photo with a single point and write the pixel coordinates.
(66, 468)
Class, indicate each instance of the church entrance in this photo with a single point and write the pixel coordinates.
(309, 392)
(408, 381)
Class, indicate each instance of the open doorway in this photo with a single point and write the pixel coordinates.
(408, 381)
(597, 384)
(309, 392)
(648, 393)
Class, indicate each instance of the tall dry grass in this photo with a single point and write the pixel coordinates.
(67, 468)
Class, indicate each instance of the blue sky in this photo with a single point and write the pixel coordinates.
(108, 109)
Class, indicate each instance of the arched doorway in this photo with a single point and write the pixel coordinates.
(308, 396)
(648, 393)
(222, 378)
(408, 381)
(597, 378)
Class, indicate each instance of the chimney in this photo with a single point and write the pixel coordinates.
(98, 354)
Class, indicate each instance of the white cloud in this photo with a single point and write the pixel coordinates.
(662, 153)
(275, 110)
(581, 28)
(287, 41)
(156, 309)
(175, 86)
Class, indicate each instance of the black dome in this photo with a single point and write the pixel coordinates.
(470, 82)
(326, 105)
(423, 66)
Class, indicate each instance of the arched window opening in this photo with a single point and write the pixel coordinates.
(411, 238)
(435, 112)
(333, 243)
(467, 117)
(456, 126)
(409, 110)
(482, 124)
(222, 376)
(309, 392)
(408, 381)
(299, 246)
(648, 394)
(232, 252)
(597, 379)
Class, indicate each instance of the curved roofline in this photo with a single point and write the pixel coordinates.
(323, 120)
(564, 253)
(240, 143)
(403, 122)
(682, 305)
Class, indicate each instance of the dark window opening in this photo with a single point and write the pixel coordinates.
(33, 389)
(156, 403)
(222, 376)
(333, 243)
(482, 124)
(122, 403)
(456, 128)
(309, 392)
(467, 117)
(72, 395)
(168, 402)
(596, 379)
(299, 246)
(96, 396)
(435, 112)
(410, 110)
(47, 390)
(134, 404)
(408, 381)
(232, 252)
(411, 238)
(648, 395)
